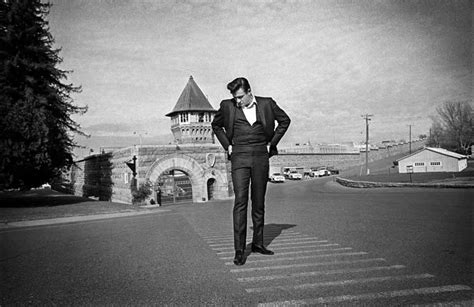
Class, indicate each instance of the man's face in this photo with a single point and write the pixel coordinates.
(240, 95)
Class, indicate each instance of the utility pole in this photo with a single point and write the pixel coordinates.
(367, 118)
(409, 142)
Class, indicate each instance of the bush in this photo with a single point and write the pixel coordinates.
(140, 195)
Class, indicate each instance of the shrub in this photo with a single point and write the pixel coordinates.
(144, 190)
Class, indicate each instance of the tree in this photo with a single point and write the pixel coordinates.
(436, 134)
(453, 127)
(36, 127)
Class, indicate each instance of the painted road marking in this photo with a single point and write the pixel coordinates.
(320, 273)
(274, 242)
(368, 296)
(341, 283)
(278, 249)
(468, 303)
(303, 265)
(276, 245)
(301, 257)
(298, 252)
(207, 236)
(265, 238)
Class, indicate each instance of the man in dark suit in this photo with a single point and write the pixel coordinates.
(245, 127)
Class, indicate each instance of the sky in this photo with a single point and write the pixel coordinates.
(325, 63)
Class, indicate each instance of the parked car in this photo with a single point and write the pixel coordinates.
(277, 177)
(321, 173)
(290, 169)
(294, 175)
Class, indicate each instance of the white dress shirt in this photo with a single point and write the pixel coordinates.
(250, 112)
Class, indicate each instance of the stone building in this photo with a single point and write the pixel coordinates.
(193, 169)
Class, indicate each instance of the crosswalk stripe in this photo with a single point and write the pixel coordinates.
(265, 238)
(298, 252)
(272, 259)
(275, 245)
(274, 242)
(303, 265)
(315, 273)
(368, 296)
(467, 303)
(209, 236)
(278, 249)
(296, 243)
(341, 283)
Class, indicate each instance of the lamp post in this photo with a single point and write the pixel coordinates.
(137, 151)
(140, 134)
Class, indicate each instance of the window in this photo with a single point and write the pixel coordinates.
(201, 117)
(435, 163)
(183, 117)
(419, 163)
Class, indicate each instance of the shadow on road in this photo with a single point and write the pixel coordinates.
(270, 233)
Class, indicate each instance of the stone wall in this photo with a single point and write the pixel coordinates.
(107, 176)
(338, 161)
(92, 177)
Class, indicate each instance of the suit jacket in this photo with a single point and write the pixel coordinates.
(223, 123)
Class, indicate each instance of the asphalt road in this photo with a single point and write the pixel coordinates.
(333, 245)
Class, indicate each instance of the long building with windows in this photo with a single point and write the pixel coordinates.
(431, 159)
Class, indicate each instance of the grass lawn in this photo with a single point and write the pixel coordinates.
(46, 203)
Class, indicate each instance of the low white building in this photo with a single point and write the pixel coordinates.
(431, 159)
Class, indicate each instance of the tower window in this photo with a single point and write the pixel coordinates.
(184, 117)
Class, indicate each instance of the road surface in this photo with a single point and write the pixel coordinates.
(333, 245)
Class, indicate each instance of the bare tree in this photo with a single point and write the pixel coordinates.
(456, 119)
(437, 133)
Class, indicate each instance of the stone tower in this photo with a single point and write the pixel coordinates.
(192, 116)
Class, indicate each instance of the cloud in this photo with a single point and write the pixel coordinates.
(324, 62)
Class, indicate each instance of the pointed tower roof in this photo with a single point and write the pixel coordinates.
(191, 99)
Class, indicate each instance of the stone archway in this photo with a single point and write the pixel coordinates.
(185, 164)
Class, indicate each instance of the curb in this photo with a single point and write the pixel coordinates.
(369, 184)
(71, 219)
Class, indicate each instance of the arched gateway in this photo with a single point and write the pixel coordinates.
(199, 175)
(178, 162)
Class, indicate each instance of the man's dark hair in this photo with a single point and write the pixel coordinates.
(238, 83)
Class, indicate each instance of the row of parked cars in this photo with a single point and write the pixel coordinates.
(293, 174)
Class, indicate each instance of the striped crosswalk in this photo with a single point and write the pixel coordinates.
(307, 270)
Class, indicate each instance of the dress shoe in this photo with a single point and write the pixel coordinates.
(239, 258)
(261, 250)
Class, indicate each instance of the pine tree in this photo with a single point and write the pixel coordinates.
(35, 105)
